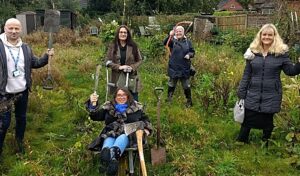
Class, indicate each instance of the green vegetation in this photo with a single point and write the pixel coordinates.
(199, 141)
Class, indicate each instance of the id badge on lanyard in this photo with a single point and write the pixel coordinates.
(16, 72)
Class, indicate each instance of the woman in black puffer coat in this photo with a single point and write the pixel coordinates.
(261, 85)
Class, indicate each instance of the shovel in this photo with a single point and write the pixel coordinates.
(158, 154)
(51, 24)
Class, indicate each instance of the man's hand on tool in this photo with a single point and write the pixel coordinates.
(50, 52)
(94, 97)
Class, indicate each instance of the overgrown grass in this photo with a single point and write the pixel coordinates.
(199, 140)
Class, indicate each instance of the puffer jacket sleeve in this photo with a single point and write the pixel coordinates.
(288, 67)
(244, 83)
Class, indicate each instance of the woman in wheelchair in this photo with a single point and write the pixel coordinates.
(112, 141)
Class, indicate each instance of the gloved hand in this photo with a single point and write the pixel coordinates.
(187, 56)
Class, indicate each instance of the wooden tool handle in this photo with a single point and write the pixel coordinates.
(139, 137)
(94, 103)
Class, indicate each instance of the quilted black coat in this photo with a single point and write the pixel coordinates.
(261, 85)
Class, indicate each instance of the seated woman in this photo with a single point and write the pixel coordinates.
(112, 141)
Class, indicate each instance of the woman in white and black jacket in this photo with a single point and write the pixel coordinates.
(261, 85)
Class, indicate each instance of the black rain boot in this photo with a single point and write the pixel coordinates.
(105, 155)
(104, 159)
(112, 168)
(170, 94)
(188, 95)
(266, 136)
(244, 134)
(20, 145)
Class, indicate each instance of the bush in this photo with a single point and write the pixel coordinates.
(227, 13)
(240, 41)
(108, 31)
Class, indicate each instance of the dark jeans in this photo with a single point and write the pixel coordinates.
(20, 115)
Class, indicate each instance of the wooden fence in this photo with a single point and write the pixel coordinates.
(236, 22)
(242, 22)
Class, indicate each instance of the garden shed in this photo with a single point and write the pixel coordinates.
(28, 21)
(40, 15)
(67, 18)
(202, 26)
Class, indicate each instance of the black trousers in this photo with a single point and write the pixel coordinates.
(257, 120)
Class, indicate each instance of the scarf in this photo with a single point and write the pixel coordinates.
(121, 107)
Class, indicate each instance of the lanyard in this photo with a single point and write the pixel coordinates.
(16, 60)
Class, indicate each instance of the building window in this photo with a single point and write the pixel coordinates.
(267, 11)
(232, 6)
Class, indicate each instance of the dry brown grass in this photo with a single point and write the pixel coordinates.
(65, 37)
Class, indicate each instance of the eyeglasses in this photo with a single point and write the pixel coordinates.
(121, 95)
(122, 32)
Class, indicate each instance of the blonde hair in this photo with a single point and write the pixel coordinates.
(277, 47)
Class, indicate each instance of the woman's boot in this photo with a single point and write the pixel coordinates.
(244, 134)
(113, 165)
(21, 148)
(170, 93)
(104, 159)
(266, 136)
(188, 95)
